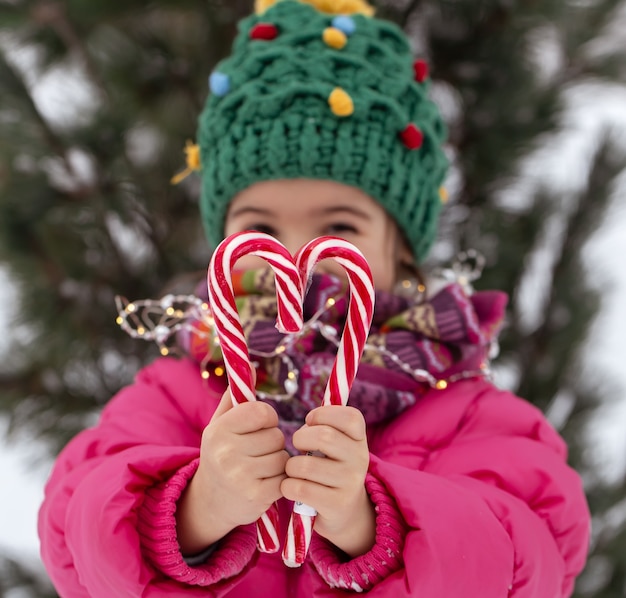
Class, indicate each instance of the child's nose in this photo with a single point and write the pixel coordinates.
(297, 237)
(295, 240)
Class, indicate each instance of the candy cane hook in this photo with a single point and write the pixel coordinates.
(359, 319)
(230, 331)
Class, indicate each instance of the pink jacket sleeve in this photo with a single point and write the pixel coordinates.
(96, 537)
(369, 570)
(492, 509)
(480, 479)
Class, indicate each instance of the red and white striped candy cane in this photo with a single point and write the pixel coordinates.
(231, 335)
(356, 330)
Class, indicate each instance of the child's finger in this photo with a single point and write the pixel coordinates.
(348, 420)
(270, 466)
(328, 499)
(265, 442)
(249, 417)
(308, 468)
(329, 441)
(340, 463)
(270, 488)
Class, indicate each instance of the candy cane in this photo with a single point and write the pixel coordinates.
(359, 319)
(231, 335)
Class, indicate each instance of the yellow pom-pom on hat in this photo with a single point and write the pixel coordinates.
(192, 155)
(335, 38)
(333, 7)
(340, 102)
(260, 6)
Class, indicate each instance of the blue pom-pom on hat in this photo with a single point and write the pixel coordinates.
(345, 24)
(219, 83)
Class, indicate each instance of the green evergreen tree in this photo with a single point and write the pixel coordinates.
(87, 210)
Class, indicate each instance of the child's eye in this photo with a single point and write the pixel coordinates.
(341, 228)
(263, 228)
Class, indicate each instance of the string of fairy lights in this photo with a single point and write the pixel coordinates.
(162, 320)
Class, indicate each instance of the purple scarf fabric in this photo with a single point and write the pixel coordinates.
(448, 335)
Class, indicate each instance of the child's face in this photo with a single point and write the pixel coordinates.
(299, 210)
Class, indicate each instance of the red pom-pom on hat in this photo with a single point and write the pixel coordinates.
(264, 31)
(420, 68)
(412, 137)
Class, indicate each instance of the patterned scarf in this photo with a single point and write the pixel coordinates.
(448, 335)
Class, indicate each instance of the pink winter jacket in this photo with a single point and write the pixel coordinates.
(473, 497)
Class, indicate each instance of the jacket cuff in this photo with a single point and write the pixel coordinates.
(157, 534)
(364, 572)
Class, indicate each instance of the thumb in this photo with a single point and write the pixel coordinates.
(225, 404)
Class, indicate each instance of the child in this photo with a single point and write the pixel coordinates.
(435, 483)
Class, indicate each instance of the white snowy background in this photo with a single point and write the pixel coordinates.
(562, 161)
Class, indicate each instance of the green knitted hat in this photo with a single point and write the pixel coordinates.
(320, 89)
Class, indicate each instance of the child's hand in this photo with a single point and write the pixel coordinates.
(335, 485)
(242, 464)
